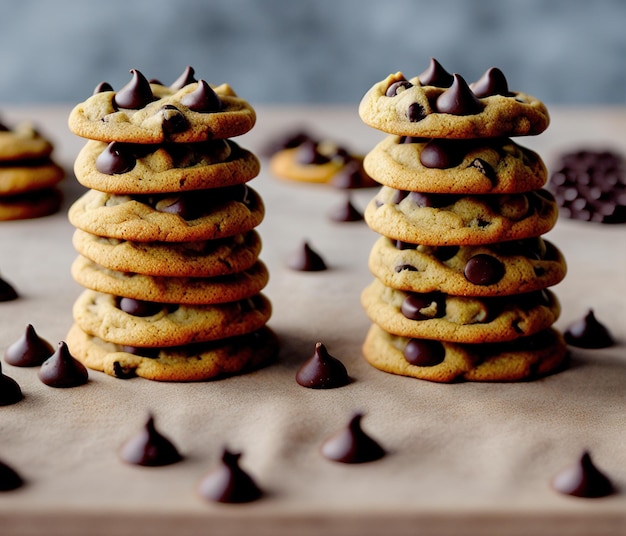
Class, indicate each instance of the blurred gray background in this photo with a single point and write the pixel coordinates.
(311, 51)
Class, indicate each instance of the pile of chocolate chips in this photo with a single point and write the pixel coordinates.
(591, 186)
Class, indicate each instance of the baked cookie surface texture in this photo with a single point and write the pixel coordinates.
(462, 273)
(168, 251)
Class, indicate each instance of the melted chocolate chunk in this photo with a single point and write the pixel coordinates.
(10, 392)
(399, 244)
(229, 483)
(140, 308)
(143, 351)
(322, 371)
(485, 168)
(149, 448)
(352, 444)
(306, 260)
(414, 304)
(9, 478)
(346, 212)
(436, 75)
(62, 370)
(30, 350)
(397, 87)
(136, 94)
(444, 253)
(307, 154)
(186, 206)
(7, 292)
(203, 99)
(588, 333)
(115, 159)
(483, 269)
(184, 79)
(173, 120)
(493, 82)
(458, 99)
(415, 112)
(442, 154)
(102, 87)
(424, 352)
(583, 479)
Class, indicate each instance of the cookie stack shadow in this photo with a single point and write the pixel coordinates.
(461, 269)
(168, 251)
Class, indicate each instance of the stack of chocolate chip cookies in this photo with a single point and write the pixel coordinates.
(169, 255)
(28, 175)
(461, 269)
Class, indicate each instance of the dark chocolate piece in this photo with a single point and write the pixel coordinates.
(352, 176)
(588, 333)
(229, 483)
(115, 159)
(493, 82)
(7, 292)
(30, 350)
(188, 207)
(202, 99)
(139, 307)
(414, 304)
(483, 269)
(397, 87)
(442, 154)
(184, 79)
(62, 370)
(10, 392)
(143, 351)
(485, 168)
(583, 479)
(424, 352)
(422, 199)
(399, 244)
(322, 371)
(458, 99)
(444, 253)
(102, 87)
(306, 260)
(136, 94)
(436, 75)
(416, 112)
(346, 212)
(173, 120)
(352, 444)
(307, 154)
(149, 448)
(9, 478)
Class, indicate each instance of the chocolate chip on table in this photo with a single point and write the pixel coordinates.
(583, 479)
(424, 352)
(136, 94)
(588, 332)
(346, 212)
(149, 448)
(9, 478)
(436, 75)
(352, 176)
(352, 445)
(7, 291)
(228, 482)
(322, 371)
(62, 370)
(202, 99)
(493, 82)
(186, 78)
(30, 350)
(115, 159)
(483, 269)
(306, 259)
(458, 99)
(10, 391)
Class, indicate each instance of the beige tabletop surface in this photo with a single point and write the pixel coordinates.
(466, 458)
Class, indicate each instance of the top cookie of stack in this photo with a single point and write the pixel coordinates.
(166, 233)
(461, 269)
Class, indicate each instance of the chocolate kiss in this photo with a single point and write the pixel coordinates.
(306, 260)
(136, 94)
(102, 87)
(202, 99)
(7, 292)
(583, 479)
(436, 75)
(458, 99)
(149, 448)
(493, 82)
(10, 391)
(30, 350)
(9, 479)
(184, 79)
(322, 371)
(346, 212)
(62, 370)
(115, 160)
(228, 483)
(352, 445)
(588, 333)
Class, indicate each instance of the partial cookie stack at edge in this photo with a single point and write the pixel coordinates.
(28, 174)
(462, 271)
(169, 254)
